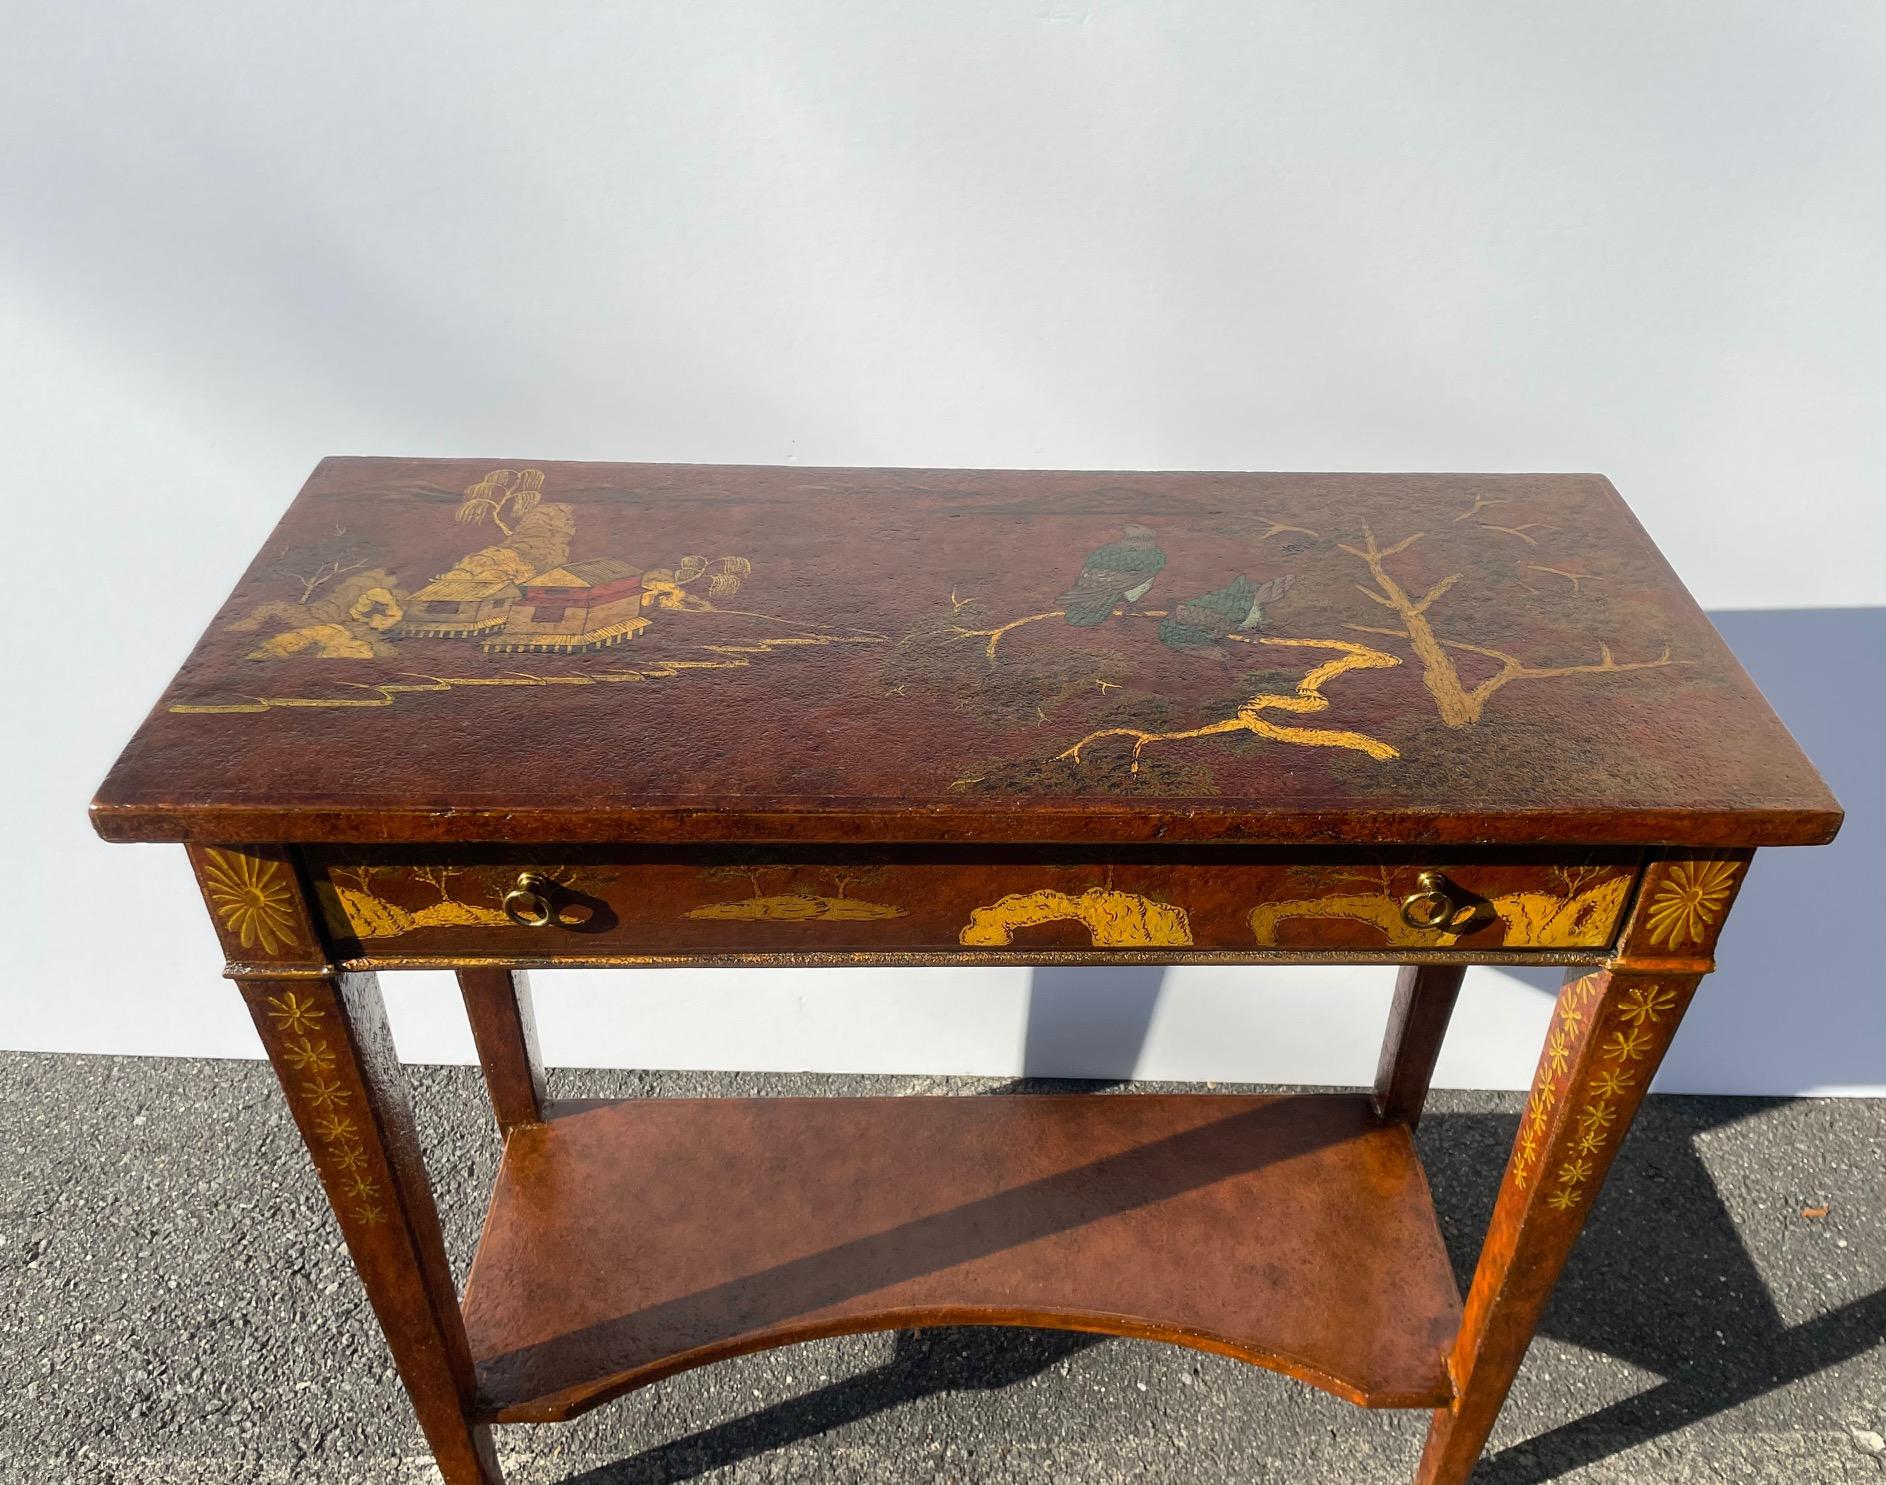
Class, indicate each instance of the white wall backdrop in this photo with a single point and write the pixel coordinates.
(1642, 239)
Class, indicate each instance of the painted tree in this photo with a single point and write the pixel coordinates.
(359, 876)
(1254, 715)
(439, 878)
(752, 874)
(669, 587)
(1459, 704)
(502, 492)
(843, 879)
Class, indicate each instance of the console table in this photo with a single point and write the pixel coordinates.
(488, 717)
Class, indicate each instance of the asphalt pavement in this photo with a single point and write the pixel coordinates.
(176, 1306)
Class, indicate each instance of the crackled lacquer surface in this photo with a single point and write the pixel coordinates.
(548, 636)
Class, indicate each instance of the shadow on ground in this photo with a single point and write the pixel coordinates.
(1659, 1273)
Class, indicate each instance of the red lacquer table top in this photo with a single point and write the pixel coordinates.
(478, 650)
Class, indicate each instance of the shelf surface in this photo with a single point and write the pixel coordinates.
(629, 1241)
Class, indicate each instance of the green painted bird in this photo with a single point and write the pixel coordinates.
(1120, 571)
(1196, 626)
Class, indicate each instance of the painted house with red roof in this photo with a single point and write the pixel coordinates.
(579, 606)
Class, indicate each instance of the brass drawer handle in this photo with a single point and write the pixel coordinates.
(528, 903)
(1431, 908)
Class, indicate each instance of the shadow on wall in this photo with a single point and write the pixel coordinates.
(1796, 1006)
(1093, 1020)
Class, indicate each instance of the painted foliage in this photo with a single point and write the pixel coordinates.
(1579, 908)
(1231, 625)
(627, 633)
(534, 592)
(870, 904)
(1113, 919)
(785, 894)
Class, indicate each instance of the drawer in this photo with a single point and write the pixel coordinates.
(386, 905)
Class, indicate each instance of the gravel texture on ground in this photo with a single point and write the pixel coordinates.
(177, 1306)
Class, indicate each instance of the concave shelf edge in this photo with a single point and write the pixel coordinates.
(627, 1242)
(574, 1401)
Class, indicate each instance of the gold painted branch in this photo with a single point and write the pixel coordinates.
(1460, 705)
(994, 636)
(1307, 698)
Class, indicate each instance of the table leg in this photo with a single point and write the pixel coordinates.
(327, 1038)
(1417, 1022)
(1608, 1035)
(504, 1025)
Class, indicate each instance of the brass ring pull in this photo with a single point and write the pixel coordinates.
(528, 903)
(1432, 907)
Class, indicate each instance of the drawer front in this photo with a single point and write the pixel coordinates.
(385, 905)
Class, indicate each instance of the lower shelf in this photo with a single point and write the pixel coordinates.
(629, 1241)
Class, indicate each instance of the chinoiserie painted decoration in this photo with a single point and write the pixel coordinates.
(492, 715)
(300, 1029)
(522, 595)
(392, 904)
(963, 640)
(254, 898)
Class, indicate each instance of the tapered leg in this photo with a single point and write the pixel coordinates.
(1609, 1032)
(1417, 1023)
(1608, 1035)
(328, 1040)
(497, 1001)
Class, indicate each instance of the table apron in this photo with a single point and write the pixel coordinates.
(390, 907)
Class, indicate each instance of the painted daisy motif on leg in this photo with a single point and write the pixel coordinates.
(1644, 1004)
(292, 1012)
(327, 1094)
(1627, 1045)
(306, 1055)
